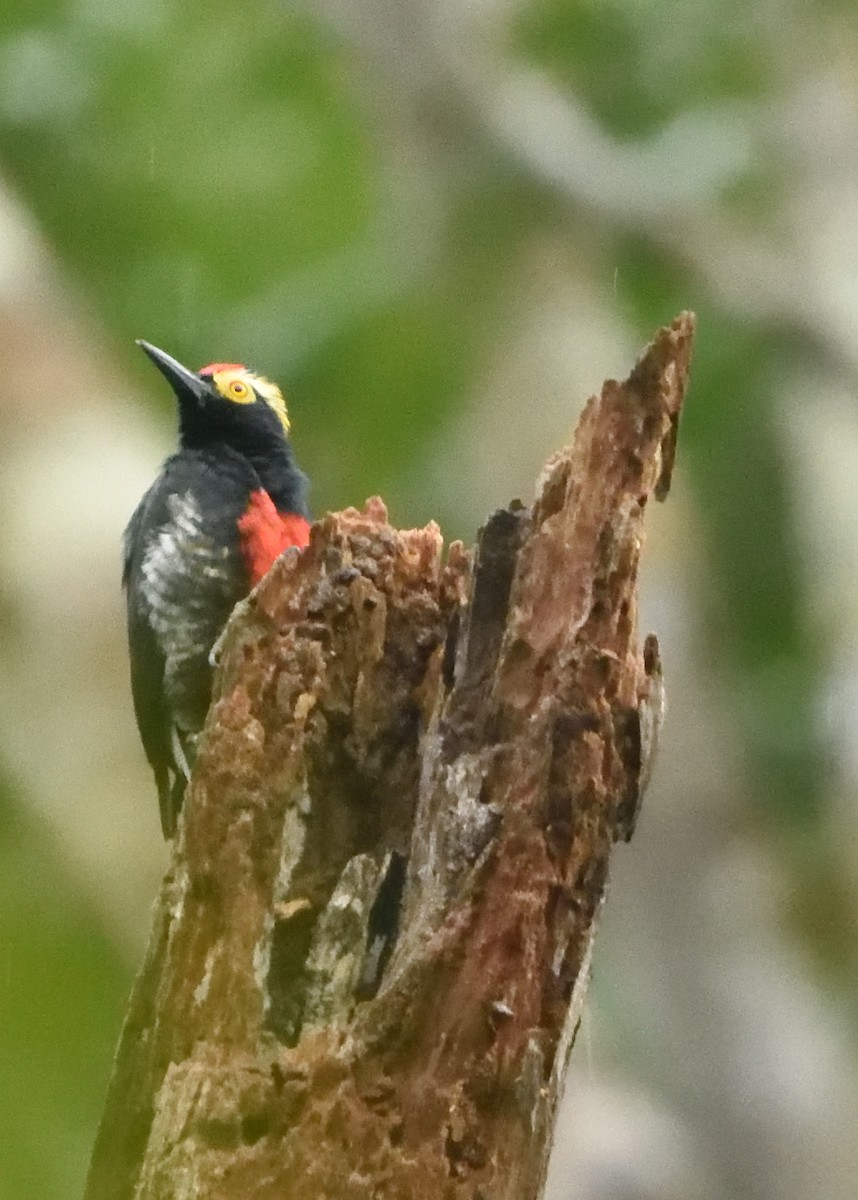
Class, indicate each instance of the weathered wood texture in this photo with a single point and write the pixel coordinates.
(371, 949)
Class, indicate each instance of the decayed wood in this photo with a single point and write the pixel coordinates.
(371, 949)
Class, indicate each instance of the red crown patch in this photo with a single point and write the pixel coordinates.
(216, 368)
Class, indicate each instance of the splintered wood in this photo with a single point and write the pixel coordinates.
(372, 947)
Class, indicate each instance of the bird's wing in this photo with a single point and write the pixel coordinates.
(183, 573)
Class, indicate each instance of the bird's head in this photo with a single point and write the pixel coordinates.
(223, 402)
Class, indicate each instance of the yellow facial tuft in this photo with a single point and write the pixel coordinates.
(244, 387)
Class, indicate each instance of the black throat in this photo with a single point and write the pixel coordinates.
(260, 439)
(282, 478)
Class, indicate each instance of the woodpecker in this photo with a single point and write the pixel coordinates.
(220, 512)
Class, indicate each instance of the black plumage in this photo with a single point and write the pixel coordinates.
(186, 564)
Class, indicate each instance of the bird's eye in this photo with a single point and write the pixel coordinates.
(232, 384)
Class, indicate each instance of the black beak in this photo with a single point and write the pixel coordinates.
(185, 383)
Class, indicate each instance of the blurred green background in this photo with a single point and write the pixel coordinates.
(441, 225)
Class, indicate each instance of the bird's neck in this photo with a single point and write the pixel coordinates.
(271, 457)
(282, 478)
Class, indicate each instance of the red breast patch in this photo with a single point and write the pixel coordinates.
(265, 533)
(216, 368)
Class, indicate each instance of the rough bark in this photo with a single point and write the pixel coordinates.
(372, 946)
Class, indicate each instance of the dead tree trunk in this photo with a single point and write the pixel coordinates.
(372, 946)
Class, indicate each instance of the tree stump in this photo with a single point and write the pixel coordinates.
(372, 946)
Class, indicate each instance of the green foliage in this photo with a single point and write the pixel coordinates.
(187, 158)
(636, 66)
(62, 990)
